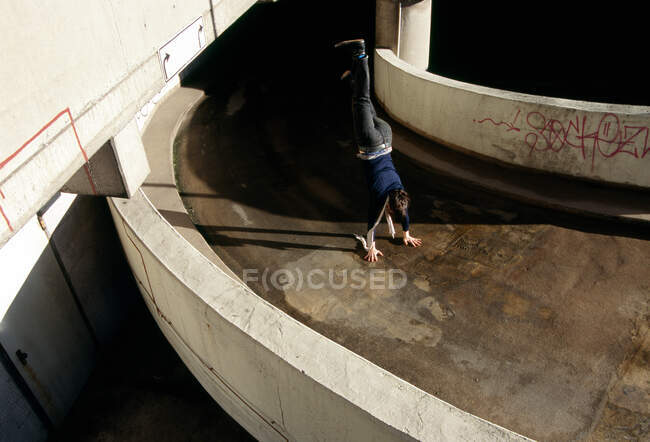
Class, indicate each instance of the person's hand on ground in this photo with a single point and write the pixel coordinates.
(373, 254)
(411, 241)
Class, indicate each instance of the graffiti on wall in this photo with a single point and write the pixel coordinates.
(3, 163)
(595, 137)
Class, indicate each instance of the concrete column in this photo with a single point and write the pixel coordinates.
(118, 168)
(387, 23)
(415, 33)
(405, 28)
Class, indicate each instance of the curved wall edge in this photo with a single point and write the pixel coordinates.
(280, 379)
(602, 142)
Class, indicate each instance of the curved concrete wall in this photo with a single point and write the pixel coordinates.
(596, 141)
(277, 377)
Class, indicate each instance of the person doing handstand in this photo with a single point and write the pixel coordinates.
(374, 140)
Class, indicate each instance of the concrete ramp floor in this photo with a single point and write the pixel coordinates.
(532, 319)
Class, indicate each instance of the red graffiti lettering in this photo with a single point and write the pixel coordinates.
(606, 139)
(510, 126)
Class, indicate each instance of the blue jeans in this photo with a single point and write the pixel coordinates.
(370, 132)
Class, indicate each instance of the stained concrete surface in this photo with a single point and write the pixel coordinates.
(529, 318)
(140, 390)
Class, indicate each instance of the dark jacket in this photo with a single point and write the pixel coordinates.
(381, 177)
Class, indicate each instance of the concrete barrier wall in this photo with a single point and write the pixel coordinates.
(74, 74)
(275, 376)
(66, 290)
(602, 142)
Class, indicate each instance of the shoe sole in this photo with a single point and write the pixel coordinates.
(347, 42)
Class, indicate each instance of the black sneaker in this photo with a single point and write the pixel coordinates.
(356, 48)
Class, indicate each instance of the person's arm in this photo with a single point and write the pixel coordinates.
(408, 239)
(373, 213)
(405, 222)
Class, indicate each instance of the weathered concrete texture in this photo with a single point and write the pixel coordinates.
(415, 33)
(160, 185)
(540, 189)
(628, 404)
(29, 179)
(131, 159)
(79, 73)
(405, 29)
(387, 24)
(602, 142)
(526, 318)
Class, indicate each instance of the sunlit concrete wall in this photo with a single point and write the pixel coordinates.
(74, 75)
(74, 79)
(405, 28)
(277, 377)
(602, 142)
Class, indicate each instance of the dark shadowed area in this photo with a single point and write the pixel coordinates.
(578, 49)
(140, 390)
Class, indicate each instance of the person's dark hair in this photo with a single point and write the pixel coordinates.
(399, 201)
